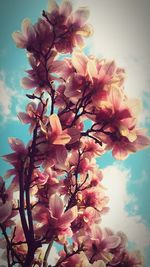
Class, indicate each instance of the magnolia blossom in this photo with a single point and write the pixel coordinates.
(54, 219)
(70, 27)
(100, 244)
(27, 37)
(41, 77)
(54, 133)
(30, 117)
(116, 120)
(17, 157)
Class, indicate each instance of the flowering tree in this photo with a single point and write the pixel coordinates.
(56, 193)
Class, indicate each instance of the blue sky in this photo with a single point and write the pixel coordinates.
(122, 33)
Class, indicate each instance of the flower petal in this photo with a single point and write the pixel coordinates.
(112, 241)
(120, 152)
(79, 61)
(74, 134)
(16, 144)
(62, 139)
(24, 117)
(91, 69)
(19, 39)
(99, 263)
(55, 124)
(66, 8)
(5, 211)
(27, 28)
(69, 216)
(52, 6)
(81, 15)
(28, 83)
(56, 206)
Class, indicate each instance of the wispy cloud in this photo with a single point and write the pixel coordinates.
(11, 101)
(141, 180)
(6, 97)
(53, 256)
(116, 179)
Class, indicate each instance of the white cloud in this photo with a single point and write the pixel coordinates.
(120, 28)
(9, 96)
(53, 256)
(142, 179)
(6, 95)
(116, 179)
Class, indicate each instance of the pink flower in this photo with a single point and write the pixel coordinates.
(117, 117)
(91, 149)
(134, 258)
(87, 217)
(122, 146)
(128, 258)
(52, 141)
(54, 133)
(27, 37)
(99, 245)
(56, 208)
(44, 37)
(33, 113)
(94, 197)
(70, 27)
(96, 71)
(55, 220)
(48, 181)
(39, 76)
(19, 154)
(34, 38)
(74, 87)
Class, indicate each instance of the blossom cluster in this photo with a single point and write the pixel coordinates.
(78, 111)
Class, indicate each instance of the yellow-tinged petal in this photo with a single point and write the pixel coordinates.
(79, 61)
(132, 136)
(52, 5)
(62, 139)
(106, 256)
(62, 239)
(91, 69)
(55, 124)
(26, 24)
(74, 211)
(124, 130)
(43, 127)
(86, 30)
(103, 104)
